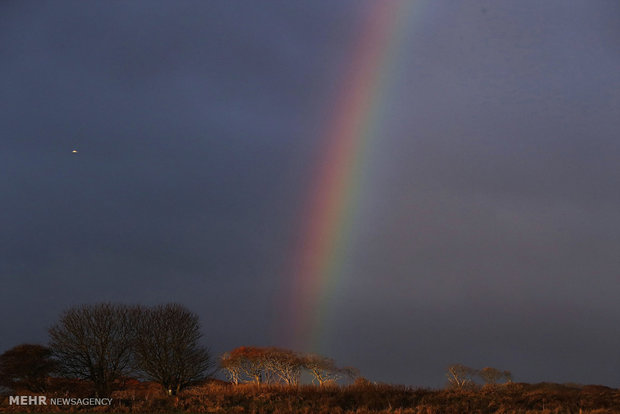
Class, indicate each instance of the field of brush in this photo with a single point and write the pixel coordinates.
(360, 398)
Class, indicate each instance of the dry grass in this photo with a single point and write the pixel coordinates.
(360, 398)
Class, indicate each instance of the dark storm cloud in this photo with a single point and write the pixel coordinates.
(493, 210)
(191, 121)
(488, 226)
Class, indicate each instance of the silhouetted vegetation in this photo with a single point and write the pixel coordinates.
(106, 342)
(94, 342)
(167, 348)
(149, 359)
(27, 367)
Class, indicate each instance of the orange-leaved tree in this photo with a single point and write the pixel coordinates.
(245, 363)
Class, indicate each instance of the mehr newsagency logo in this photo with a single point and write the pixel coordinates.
(43, 400)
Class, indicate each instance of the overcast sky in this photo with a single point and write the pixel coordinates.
(487, 229)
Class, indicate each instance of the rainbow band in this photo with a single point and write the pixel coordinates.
(328, 222)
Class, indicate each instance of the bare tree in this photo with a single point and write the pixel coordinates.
(460, 376)
(350, 373)
(268, 365)
(167, 347)
(26, 366)
(283, 365)
(491, 375)
(232, 365)
(324, 370)
(94, 342)
(258, 365)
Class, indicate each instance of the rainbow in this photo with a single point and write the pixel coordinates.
(330, 209)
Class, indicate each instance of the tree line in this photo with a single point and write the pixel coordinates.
(276, 365)
(106, 343)
(462, 377)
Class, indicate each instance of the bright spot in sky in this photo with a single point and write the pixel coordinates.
(74, 151)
